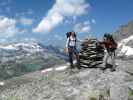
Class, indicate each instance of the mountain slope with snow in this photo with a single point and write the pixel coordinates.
(31, 47)
(20, 58)
(124, 48)
(124, 37)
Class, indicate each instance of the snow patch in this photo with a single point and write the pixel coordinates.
(124, 41)
(61, 68)
(28, 47)
(9, 47)
(2, 83)
(128, 51)
(124, 49)
(47, 70)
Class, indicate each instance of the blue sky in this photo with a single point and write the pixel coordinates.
(47, 21)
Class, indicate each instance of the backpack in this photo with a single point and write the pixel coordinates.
(68, 34)
(113, 44)
(113, 47)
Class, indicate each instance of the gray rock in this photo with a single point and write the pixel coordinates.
(118, 92)
(59, 85)
(91, 54)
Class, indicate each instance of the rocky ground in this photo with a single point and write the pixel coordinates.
(60, 83)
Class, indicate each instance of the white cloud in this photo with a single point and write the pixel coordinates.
(82, 27)
(48, 23)
(7, 27)
(26, 21)
(70, 7)
(60, 10)
(93, 21)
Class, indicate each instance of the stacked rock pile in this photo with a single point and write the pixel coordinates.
(91, 53)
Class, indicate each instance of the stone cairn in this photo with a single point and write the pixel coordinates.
(91, 53)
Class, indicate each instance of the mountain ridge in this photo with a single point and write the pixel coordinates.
(124, 37)
(17, 58)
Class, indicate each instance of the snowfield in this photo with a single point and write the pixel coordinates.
(124, 49)
(128, 51)
(25, 46)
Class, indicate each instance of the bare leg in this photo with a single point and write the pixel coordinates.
(113, 61)
(105, 59)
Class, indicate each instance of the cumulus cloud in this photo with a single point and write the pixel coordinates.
(7, 27)
(26, 21)
(82, 27)
(48, 23)
(60, 10)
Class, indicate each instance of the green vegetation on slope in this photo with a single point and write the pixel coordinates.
(27, 64)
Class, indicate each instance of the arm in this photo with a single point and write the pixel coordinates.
(66, 47)
(67, 42)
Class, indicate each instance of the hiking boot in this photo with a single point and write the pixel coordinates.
(113, 69)
(78, 67)
(103, 68)
(72, 66)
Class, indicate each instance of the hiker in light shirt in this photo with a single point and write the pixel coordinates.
(71, 49)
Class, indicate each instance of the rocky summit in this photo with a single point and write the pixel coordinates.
(59, 83)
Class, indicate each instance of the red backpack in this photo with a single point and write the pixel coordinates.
(112, 45)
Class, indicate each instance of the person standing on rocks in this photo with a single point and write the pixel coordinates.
(110, 46)
(71, 49)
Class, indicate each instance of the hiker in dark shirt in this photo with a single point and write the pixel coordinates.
(110, 46)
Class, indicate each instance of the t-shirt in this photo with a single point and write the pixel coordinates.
(71, 41)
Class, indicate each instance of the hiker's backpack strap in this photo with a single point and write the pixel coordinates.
(68, 41)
